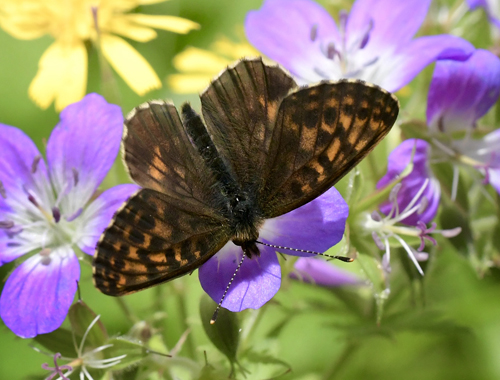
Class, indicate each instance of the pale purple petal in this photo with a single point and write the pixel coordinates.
(398, 160)
(82, 148)
(38, 294)
(494, 179)
(257, 281)
(22, 169)
(491, 7)
(400, 67)
(395, 22)
(316, 226)
(98, 214)
(462, 92)
(282, 30)
(473, 4)
(320, 272)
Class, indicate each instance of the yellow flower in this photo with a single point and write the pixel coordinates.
(62, 72)
(198, 66)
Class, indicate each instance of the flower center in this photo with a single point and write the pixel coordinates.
(347, 56)
(39, 222)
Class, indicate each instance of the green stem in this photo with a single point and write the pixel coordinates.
(334, 370)
(126, 310)
(184, 317)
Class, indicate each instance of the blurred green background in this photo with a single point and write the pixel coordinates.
(444, 326)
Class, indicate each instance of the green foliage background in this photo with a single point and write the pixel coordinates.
(443, 326)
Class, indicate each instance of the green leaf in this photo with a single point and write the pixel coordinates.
(81, 317)
(60, 341)
(224, 333)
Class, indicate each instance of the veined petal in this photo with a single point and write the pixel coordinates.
(166, 22)
(129, 64)
(398, 159)
(128, 5)
(98, 214)
(38, 294)
(395, 22)
(61, 76)
(82, 149)
(320, 272)
(257, 281)
(393, 71)
(290, 32)
(462, 92)
(316, 226)
(22, 169)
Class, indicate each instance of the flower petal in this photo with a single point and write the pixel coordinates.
(395, 70)
(257, 281)
(316, 226)
(98, 214)
(61, 76)
(320, 272)
(129, 64)
(395, 22)
(18, 158)
(398, 159)
(166, 22)
(25, 22)
(282, 30)
(38, 294)
(82, 148)
(462, 92)
(122, 25)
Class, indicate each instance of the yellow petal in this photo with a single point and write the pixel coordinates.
(171, 23)
(199, 60)
(61, 76)
(234, 50)
(26, 19)
(123, 26)
(188, 83)
(127, 5)
(129, 64)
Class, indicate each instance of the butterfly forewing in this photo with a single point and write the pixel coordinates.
(321, 133)
(160, 156)
(154, 238)
(240, 108)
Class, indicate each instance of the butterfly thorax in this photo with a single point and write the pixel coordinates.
(245, 223)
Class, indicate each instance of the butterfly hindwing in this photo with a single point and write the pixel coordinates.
(154, 238)
(321, 133)
(240, 108)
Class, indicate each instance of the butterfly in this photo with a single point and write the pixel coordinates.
(263, 148)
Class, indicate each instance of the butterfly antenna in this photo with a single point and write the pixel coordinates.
(341, 258)
(216, 312)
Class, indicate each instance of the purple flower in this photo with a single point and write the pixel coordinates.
(460, 93)
(374, 42)
(492, 8)
(317, 226)
(424, 207)
(323, 273)
(48, 209)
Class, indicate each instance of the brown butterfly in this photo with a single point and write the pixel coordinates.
(263, 148)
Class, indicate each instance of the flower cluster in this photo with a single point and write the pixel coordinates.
(49, 209)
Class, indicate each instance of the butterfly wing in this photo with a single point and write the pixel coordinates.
(321, 133)
(240, 109)
(173, 225)
(154, 238)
